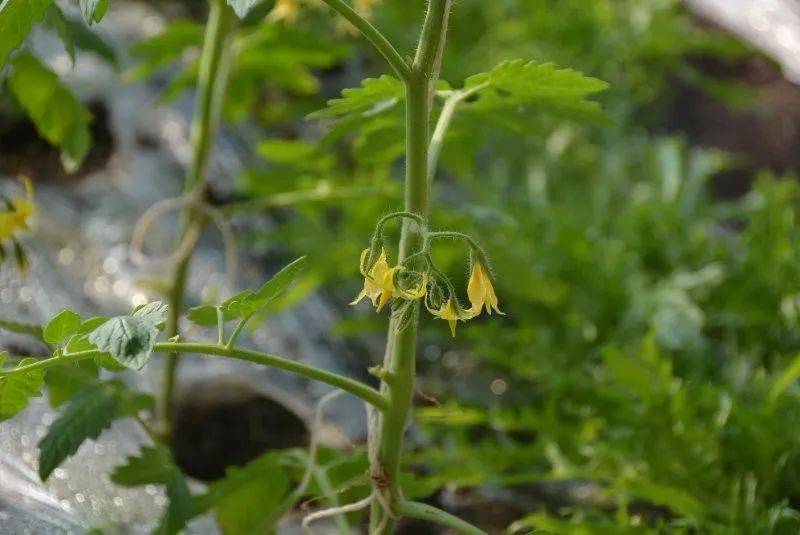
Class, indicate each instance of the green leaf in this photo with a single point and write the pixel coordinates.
(514, 92)
(22, 328)
(65, 379)
(248, 302)
(248, 496)
(15, 390)
(242, 7)
(152, 465)
(130, 339)
(89, 412)
(90, 41)
(58, 21)
(59, 117)
(785, 379)
(374, 96)
(62, 326)
(179, 510)
(154, 313)
(159, 51)
(16, 19)
(93, 10)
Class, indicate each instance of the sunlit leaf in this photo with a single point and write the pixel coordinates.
(16, 19)
(63, 325)
(248, 302)
(93, 10)
(17, 389)
(59, 116)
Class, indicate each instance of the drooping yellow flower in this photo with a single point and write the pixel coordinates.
(18, 216)
(415, 291)
(480, 291)
(378, 281)
(452, 312)
(285, 10)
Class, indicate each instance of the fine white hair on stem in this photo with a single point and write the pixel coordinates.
(333, 511)
(188, 242)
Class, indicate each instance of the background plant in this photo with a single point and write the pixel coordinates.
(616, 266)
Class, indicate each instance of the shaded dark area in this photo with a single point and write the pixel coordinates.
(761, 133)
(24, 152)
(223, 424)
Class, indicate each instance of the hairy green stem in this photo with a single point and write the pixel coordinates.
(400, 357)
(374, 36)
(211, 87)
(352, 386)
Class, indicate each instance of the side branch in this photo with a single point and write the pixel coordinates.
(356, 388)
(423, 511)
(374, 36)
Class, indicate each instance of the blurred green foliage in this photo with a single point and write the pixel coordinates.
(648, 322)
(650, 351)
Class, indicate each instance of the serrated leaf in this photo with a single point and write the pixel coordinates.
(152, 465)
(154, 313)
(510, 93)
(242, 7)
(59, 117)
(93, 10)
(130, 339)
(64, 380)
(17, 389)
(374, 96)
(63, 325)
(89, 412)
(248, 302)
(16, 19)
(179, 509)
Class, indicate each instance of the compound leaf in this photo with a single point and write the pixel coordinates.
(248, 302)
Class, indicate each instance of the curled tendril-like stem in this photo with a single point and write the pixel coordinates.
(187, 244)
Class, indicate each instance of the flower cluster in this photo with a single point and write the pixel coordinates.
(404, 284)
(16, 215)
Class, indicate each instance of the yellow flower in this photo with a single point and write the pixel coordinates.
(480, 291)
(18, 216)
(452, 312)
(285, 10)
(378, 281)
(414, 292)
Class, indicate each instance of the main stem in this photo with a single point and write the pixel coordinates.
(400, 357)
(211, 87)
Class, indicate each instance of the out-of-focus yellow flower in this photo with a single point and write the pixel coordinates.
(378, 281)
(452, 312)
(18, 216)
(285, 10)
(480, 291)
